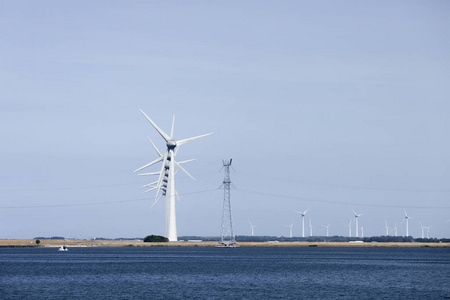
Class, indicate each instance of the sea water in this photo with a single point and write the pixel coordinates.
(225, 273)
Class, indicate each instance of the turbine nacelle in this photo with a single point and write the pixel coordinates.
(171, 144)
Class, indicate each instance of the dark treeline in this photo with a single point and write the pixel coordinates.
(381, 239)
(96, 238)
(268, 238)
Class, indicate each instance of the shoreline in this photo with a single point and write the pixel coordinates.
(134, 243)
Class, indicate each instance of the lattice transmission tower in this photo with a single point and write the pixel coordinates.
(227, 235)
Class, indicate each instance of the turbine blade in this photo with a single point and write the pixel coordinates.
(173, 125)
(161, 174)
(162, 133)
(156, 200)
(306, 210)
(186, 161)
(182, 142)
(149, 164)
(153, 188)
(157, 150)
(182, 169)
(145, 174)
(152, 183)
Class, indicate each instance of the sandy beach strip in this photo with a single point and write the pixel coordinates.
(135, 243)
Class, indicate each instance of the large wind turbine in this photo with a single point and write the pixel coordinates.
(356, 221)
(303, 220)
(165, 185)
(406, 218)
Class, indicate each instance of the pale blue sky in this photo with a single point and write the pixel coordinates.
(328, 104)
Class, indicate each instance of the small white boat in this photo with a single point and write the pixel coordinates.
(63, 248)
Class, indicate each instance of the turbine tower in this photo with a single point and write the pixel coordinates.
(362, 232)
(165, 185)
(406, 218)
(290, 229)
(303, 220)
(350, 228)
(227, 236)
(395, 229)
(386, 227)
(327, 227)
(310, 228)
(428, 231)
(356, 221)
(423, 228)
(252, 227)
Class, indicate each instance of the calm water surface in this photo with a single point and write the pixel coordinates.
(219, 273)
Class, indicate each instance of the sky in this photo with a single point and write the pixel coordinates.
(332, 105)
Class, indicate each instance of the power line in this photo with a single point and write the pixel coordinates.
(337, 202)
(94, 203)
(68, 188)
(84, 187)
(347, 186)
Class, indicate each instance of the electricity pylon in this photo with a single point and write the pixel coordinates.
(227, 236)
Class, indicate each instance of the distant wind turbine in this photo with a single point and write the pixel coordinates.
(252, 227)
(350, 228)
(423, 228)
(406, 219)
(303, 220)
(356, 221)
(310, 227)
(386, 227)
(290, 229)
(428, 231)
(362, 232)
(327, 227)
(395, 229)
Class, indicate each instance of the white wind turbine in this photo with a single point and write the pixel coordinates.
(423, 228)
(165, 185)
(395, 229)
(290, 229)
(356, 221)
(386, 227)
(327, 227)
(252, 227)
(428, 231)
(350, 228)
(303, 220)
(310, 228)
(362, 232)
(406, 218)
